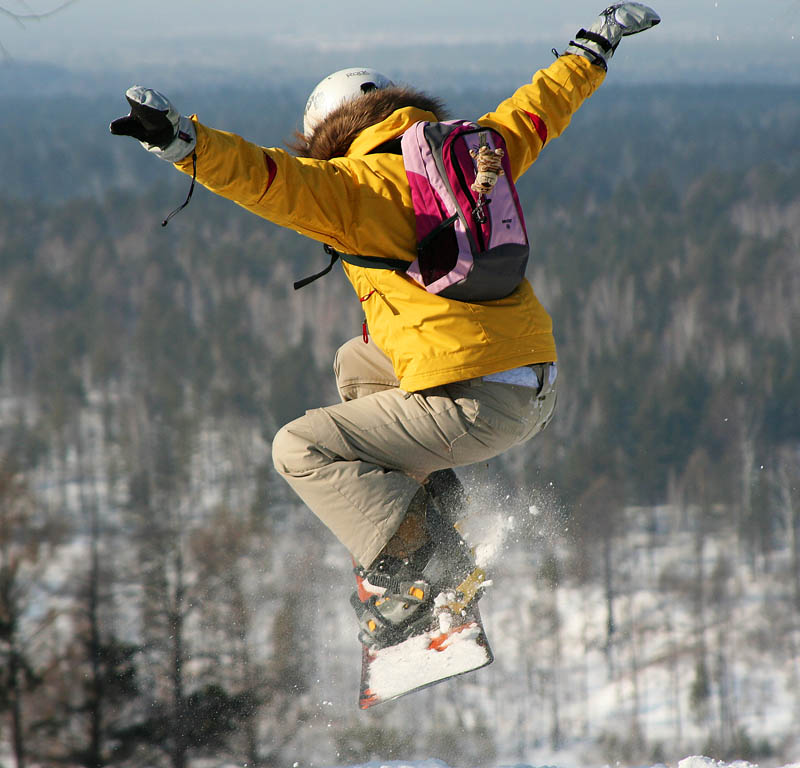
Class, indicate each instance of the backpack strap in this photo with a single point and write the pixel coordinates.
(334, 254)
(367, 262)
(391, 146)
(375, 262)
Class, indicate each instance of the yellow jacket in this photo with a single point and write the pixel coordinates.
(361, 204)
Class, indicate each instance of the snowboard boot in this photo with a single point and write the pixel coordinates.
(448, 493)
(426, 566)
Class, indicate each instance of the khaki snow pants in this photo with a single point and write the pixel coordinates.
(358, 464)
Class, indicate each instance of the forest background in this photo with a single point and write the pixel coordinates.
(165, 600)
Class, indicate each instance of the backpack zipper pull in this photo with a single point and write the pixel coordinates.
(489, 167)
(489, 164)
(477, 212)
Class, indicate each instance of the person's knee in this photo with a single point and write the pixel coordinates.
(346, 358)
(292, 450)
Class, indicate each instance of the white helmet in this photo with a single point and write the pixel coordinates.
(337, 88)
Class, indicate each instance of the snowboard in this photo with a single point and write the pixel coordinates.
(454, 643)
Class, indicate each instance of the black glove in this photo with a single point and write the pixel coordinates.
(146, 124)
(155, 122)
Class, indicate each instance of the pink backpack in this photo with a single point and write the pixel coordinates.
(471, 239)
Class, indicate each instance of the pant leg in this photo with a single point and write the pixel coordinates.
(353, 463)
(362, 369)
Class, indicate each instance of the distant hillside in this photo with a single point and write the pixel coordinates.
(433, 60)
(165, 598)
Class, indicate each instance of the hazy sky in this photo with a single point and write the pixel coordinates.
(101, 32)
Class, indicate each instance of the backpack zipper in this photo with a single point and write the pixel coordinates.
(478, 214)
(423, 244)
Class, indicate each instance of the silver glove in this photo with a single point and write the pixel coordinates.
(157, 125)
(599, 42)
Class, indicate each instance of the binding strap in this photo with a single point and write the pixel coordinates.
(368, 262)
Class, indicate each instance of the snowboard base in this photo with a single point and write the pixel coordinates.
(449, 648)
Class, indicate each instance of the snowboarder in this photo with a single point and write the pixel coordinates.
(432, 383)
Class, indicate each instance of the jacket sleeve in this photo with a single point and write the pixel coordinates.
(542, 109)
(316, 198)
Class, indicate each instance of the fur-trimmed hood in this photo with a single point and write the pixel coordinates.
(334, 135)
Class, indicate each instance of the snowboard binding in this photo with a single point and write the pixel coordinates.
(398, 598)
(391, 618)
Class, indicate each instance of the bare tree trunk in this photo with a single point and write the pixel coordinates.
(675, 678)
(793, 644)
(698, 494)
(743, 509)
(555, 715)
(94, 758)
(10, 615)
(31, 15)
(788, 479)
(250, 676)
(794, 533)
(555, 697)
(608, 578)
(636, 729)
(180, 747)
(15, 705)
(726, 716)
(700, 596)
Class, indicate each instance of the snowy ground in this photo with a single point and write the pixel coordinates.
(688, 762)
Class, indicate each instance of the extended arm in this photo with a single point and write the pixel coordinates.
(240, 170)
(541, 110)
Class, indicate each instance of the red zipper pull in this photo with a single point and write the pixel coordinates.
(364, 331)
